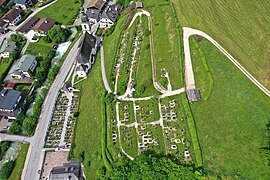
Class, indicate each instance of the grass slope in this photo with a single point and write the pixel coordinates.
(89, 124)
(17, 170)
(63, 11)
(39, 48)
(239, 26)
(231, 123)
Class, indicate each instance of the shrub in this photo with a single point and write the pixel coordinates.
(58, 34)
(6, 169)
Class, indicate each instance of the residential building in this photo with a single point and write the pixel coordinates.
(28, 25)
(24, 4)
(9, 100)
(97, 4)
(43, 26)
(24, 68)
(4, 3)
(70, 171)
(3, 26)
(7, 48)
(109, 17)
(10, 86)
(86, 55)
(13, 16)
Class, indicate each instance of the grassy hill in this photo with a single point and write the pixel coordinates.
(239, 26)
(231, 119)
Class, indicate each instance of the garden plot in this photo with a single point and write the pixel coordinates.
(126, 112)
(147, 111)
(63, 121)
(150, 137)
(175, 128)
(129, 140)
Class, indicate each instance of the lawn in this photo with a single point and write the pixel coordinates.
(17, 170)
(4, 64)
(129, 141)
(231, 123)
(126, 112)
(239, 26)
(63, 11)
(147, 111)
(89, 123)
(39, 48)
(166, 45)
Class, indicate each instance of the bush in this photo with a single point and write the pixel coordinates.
(16, 38)
(47, 39)
(58, 34)
(15, 128)
(6, 169)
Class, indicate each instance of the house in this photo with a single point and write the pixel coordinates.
(4, 3)
(93, 15)
(139, 5)
(9, 100)
(28, 25)
(13, 16)
(24, 68)
(43, 26)
(3, 26)
(7, 48)
(97, 4)
(109, 17)
(86, 55)
(70, 171)
(24, 4)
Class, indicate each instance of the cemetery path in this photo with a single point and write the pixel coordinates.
(104, 77)
(189, 76)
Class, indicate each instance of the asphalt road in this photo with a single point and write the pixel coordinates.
(35, 155)
(7, 137)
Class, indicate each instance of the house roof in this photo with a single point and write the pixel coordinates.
(96, 4)
(13, 13)
(44, 24)
(23, 2)
(2, 2)
(93, 13)
(25, 27)
(10, 85)
(2, 23)
(84, 17)
(86, 46)
(8, 98)
(24, 64)
(193, 95)
(7, 46)
(67, 171)
(111, 13)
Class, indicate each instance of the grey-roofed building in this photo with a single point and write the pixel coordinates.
(109, 17)
(69, 171)
(93, 15)
(9, 99)
(7, 48)
(193, 95)
(24, 4)
(24, 67)
(87, 54)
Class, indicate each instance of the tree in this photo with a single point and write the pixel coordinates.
(20, 117)
(15, 128)
(29, 125)
(16, 38)
(153, 167)
(6, 169)
(109, 97)
(47, 39)
(58, 34)
(14, 55)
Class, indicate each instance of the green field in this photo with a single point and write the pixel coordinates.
(89, 123)
(239, 26)
(39, 48)
(63, 11)
(4, 64)
(231, 123)
(17, 170)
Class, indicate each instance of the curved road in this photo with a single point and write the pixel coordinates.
(189, 76)
(34, 157)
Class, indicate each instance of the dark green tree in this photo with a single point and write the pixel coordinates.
(58, 34)
(6, 169)
(15, 128)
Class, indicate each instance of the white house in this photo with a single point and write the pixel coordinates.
(13, 16)
(7, 48)
(24, 68)
(24, 4)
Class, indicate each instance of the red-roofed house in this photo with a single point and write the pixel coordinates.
(13, 16)
(10, 86)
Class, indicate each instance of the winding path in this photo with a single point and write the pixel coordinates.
(103, 71)
(189, 76)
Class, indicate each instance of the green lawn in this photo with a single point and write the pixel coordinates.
(63, 11)
(239, 26)
(231, 123)
(148, 111)
(4, 64)
(17, 170)
(39, 48)
(166, 45)
(129, 141)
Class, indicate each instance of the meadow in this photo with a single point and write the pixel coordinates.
(239, 26)
(39, 48)
(231, 121)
